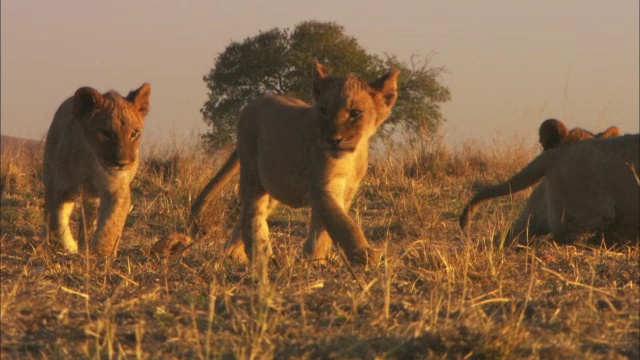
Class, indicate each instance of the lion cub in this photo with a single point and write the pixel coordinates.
(533, 220)
(305, 156)
(91, 151)
(591, 186)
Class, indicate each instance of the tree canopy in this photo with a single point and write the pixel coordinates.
(280, 61)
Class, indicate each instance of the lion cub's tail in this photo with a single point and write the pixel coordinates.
(228, 170)
(527, 177)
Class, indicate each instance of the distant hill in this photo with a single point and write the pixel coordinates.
(12, 142)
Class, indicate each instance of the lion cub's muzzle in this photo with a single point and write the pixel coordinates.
(337, 144)
(117, 164)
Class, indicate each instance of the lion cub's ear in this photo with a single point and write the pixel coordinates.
(387, 85)
(386, 92)
(140, 98)
(84, 101)
(552, 133)
(319, 74)
(610, 132)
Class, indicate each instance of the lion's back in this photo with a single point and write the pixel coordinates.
(64, 150)
(275, 112)
(596, 182)
(275, 137)
(275, 127)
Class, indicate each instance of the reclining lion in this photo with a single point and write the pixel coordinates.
(532, 220)
(591, 186)
(305, 156)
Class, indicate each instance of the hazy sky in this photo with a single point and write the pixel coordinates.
(510, 64)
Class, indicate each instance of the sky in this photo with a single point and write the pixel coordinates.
(509, 64)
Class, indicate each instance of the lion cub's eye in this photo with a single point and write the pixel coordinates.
(135, 134)
(354, 114)
(104, 135)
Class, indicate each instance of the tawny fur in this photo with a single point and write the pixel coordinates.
(532, 220)
(305, 156)
(91, 152)
(591, 186)
(554, 133)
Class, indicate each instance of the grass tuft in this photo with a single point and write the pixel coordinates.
(439, 293)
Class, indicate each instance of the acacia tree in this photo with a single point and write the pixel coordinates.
(280, 62)
(420, 95)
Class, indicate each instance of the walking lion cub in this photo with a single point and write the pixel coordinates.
(305, 156)
(91, 151)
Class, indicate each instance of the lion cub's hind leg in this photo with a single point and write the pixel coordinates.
(253, 221)
(234, 247)
(58, 232)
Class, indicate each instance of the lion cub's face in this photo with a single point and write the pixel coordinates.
(350, 109)
(112, 124)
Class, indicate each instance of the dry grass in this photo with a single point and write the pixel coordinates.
(440, 293)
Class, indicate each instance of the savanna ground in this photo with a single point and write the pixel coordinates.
(441, 293)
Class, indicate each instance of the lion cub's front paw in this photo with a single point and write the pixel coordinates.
(236, 253)
(64, 242)
(104, 248)
(70, 246)
(364, 256)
